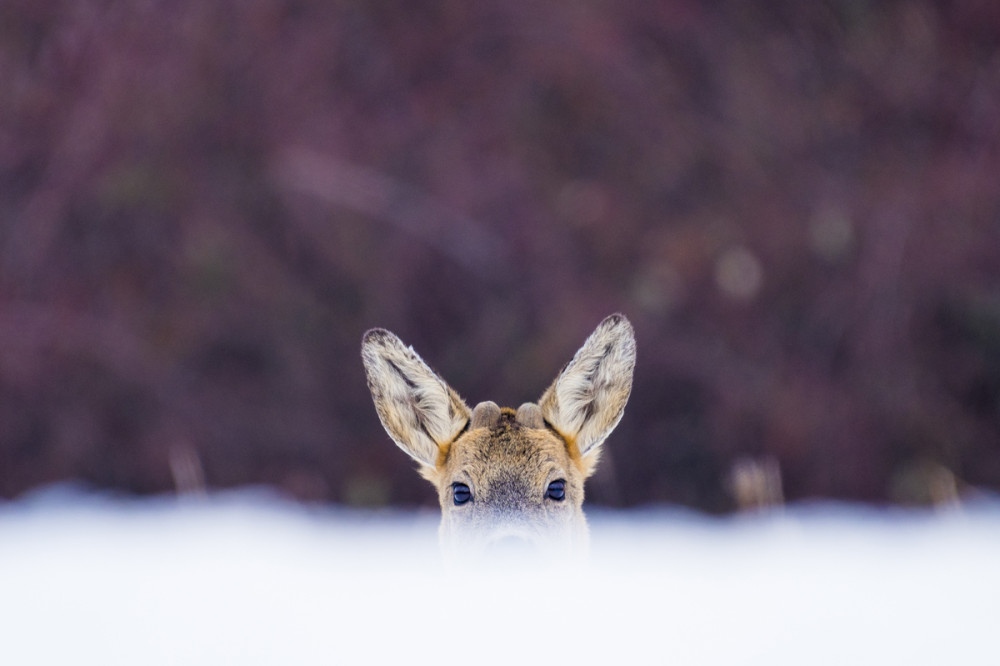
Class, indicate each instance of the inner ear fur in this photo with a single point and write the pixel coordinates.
(586, 401)
(417, 408)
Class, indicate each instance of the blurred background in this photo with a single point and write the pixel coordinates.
(203, 205)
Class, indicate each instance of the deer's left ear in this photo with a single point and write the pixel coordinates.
(588, 398)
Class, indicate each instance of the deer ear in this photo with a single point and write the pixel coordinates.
(587, 399)
(417, 408)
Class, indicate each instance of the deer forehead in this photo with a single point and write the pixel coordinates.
(508, 455)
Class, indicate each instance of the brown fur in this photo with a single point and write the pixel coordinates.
(506, 458)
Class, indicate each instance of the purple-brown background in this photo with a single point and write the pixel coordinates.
(203, 205)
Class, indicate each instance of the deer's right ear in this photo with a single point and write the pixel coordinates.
(417, 408)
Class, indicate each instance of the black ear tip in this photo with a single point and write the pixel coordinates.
(376, 339)
(616, 320)
(375, 335)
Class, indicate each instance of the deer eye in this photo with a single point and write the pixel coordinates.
(461, 493)
(556, 490)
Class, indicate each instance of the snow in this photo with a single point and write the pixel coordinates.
(246, 578)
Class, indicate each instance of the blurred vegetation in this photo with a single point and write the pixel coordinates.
(203, 205)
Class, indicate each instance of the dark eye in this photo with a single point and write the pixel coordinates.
(461, 492)
(556, 490)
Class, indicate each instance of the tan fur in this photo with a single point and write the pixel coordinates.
(506, 458)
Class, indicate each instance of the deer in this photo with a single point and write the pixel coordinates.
(509, 481)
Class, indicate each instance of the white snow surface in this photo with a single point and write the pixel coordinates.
(246, 578)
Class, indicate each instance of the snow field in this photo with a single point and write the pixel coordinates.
(244, 578)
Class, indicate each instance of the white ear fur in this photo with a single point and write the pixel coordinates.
(417, 408)
(588, 398)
